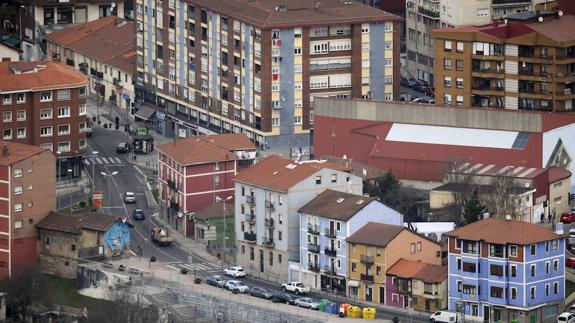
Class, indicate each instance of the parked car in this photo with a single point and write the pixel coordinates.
(122, 147)
(443, 316)
(260, 292)
(129, 197)
(423, 100)
(566, 317)
(572, 308)
(427, 90)
(567, 217)
(236, 285)
(403, 82)
(571, 242)
(235, 272)
(138, 214)
(279, 297)
(412, 83)
(295, 287)
(307, 303)
(216, 280)
(570, 262)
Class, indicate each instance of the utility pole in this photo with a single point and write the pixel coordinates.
(70, 195)
(109, 175)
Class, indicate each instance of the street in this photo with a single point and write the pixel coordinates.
(129, 178)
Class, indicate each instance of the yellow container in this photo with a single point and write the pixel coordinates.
(369, 313)
(355, 312)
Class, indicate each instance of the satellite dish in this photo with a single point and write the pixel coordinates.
(540, 19)
(508, 217)
(560, 13)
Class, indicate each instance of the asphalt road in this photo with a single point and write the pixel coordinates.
(130, 179)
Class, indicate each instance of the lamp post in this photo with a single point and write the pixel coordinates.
(94, 154)
(109, 175)
(59, 153)
(224, 200)
(22, 7)
(70, 195)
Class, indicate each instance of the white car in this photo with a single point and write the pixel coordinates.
(236, 285)
(129, 197)
(572, 233)
(443, 316)
(566, 317)
(307, 303)
(295, 287)
(235, 272)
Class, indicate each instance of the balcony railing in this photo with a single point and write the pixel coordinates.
(329, 270)
(250, 218)
(488, 70)
(330, 233)
(330, 252)
(313, 248)
(250, 200)
(487, 88)
(366, 278)
(368, 260)
(249, 236)
(270, 206)
(268, 242)
(328, 67)
(269, 223)
(313, 228)
(172, 185)
(313, 267)
(428, 12)
(498, 2)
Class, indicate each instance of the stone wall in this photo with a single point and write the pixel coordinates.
(58, 266)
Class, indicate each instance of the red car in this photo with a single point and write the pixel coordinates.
(568, 217)
(570, 262)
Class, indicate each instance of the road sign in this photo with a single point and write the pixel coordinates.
(97, 198)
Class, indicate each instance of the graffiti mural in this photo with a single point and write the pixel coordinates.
(117, 238)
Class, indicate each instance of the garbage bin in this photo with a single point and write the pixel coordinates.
(369, 313)
(331, 308)
(354, 312)
(343, 309)
(323, 304)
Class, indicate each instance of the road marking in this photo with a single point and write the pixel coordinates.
(86, 161)
(98, 160)
(174, 268)
(133, 253)
(105, 160)
(118, 160)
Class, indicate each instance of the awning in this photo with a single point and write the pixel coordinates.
(353, 283)
(145, 113)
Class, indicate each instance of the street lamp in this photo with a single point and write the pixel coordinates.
(59, 153)
(219, 199)
(109, 175)
(22, 7)
(94, 154)
(70, 195)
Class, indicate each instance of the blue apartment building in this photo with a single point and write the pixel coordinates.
(506, 271)
(325, 222)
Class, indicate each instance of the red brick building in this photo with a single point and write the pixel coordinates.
(194, 171)
(44, 104)
(27, 195)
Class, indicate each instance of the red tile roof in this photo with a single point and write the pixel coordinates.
(336, 205)
(51, 75)
(108, 40)
(194, 150)
(231, 142)
(281, 174)
(75, 223)
(500, 231)
(18, 152)
(557, 174)
(418, 270)
(376, 234)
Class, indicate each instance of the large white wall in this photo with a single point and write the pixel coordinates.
(567, 136)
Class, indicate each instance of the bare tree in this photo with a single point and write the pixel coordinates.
(501, 198)
(463, 186)
(128, 307)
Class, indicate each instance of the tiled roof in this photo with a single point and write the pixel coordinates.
(215, 211)
(336, 205)
(301, 13)
(50, 75)
(281, 174)
(418, 270)
(375, 234)
(193, 150)
(75, 223)
(108, 40)
(557, 174)
(493, 230)
(231, 142)
(18, 152)
(356, 168)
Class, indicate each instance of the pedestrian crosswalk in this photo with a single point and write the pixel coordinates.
(201, 266)
(103, 161)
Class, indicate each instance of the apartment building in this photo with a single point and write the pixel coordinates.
(325, 222)
(27, 195)
(423, 16)
(268, 196)
(44, 104)
(374, 248)
(103, 50)
(195, 171)
(508, 271)
(521, 63)
(255, 67)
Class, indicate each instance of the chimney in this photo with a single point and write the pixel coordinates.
(5, 152)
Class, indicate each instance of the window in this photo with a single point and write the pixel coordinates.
(533, 249)
(459, 82)
(547, 289)
(297, 51)
(547, 267)
(7, 134)
(251, 253)
(447, 45)
(18, 224)
(470, 247)
(555, 245)
(64, 146)
(280, 236)
(18, 190)
(419, 247)
(17, 173)
(353, 267)
(73, 247)
(459, 64)
(82, 109)
(447, 64)
(458, 263)
(82, 92)
(532, 292)
(459, 286)
(378, 271)
(6, 99)
(7, 116)
(532, 270)
(318, 179)
(513, 251)
(459, 47)
(513, 293)
(412, 248)
(513, 271)
(63, 112)
(64, 130)
(21, 98)
(18, 207)
(63, 95)
(556, 288)
(459, 100)
(496, 292)
(275, 122)
(555, 265)
(469, 289)
(45, 131)
(496, 270)
(447, 81)
(21, 133)
(45, 96)
(21, 115)
(45, 114)
(334, 180)
(469, 267)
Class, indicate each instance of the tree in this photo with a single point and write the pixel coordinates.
(24, 288)
(129, 307)
(502, 197)
(463, 186)
(473, 208)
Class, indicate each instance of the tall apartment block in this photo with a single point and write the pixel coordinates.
(423, 16)
(255, 67)
(521, 63)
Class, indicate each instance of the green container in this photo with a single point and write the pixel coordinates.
(323, 304)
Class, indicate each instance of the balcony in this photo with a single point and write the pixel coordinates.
(172, 185)
(488, 70)
(250, 237)
(366, 278)
(313, 267)
(433, 14)
(313, 228)
(251, 218)
(508, 2)
(330, 233)
(330, 252)
(117, 82)
(329, 67)
(368, 260)
(329, 270)
(270, 206)
(269, 223)
(313, 248)
(268, 242)
(250, 199)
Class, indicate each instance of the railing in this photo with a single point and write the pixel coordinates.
(313, 267)
(250, 200)
(313, 248)
(330, 252)
(329, 270)
(428, 12)
(268, 242)
(270, 206)
(250, 218)
(488, 70)
(269, 222)
(251, 237)
(329, 233)
(487, 88)
(368, 260)
(328, 67)
(496, 2)
(313, 228)
(366, 278)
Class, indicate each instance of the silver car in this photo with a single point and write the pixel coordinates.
(307, 303)
(236, 285)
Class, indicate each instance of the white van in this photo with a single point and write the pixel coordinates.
(566, 317)
(444, 317)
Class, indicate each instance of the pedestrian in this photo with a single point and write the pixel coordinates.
(542, 217)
